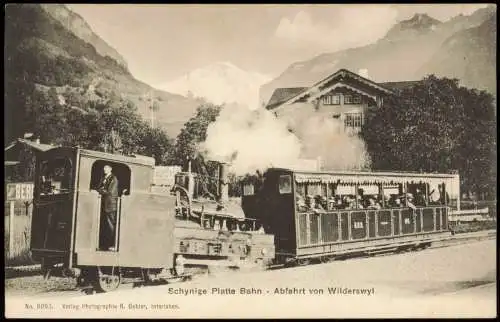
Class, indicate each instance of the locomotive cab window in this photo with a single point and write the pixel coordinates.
(56, 176)
(285, 184)
(120, 171)
(248, 189)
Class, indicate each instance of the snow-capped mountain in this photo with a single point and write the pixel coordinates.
(220, 83)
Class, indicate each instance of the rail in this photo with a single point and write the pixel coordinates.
(482, 211)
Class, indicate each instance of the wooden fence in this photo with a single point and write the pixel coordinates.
(17, 233)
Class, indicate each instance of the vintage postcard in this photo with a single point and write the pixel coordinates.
(250, 161)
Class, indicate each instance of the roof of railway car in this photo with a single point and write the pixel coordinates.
(135, 159)
(367, 173)
(363, 176)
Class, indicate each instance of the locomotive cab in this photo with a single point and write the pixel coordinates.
(67, 215)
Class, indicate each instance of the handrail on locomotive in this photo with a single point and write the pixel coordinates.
(210, 210)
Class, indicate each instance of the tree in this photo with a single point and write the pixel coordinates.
(194, 132)
(436, 126)
(157, 144)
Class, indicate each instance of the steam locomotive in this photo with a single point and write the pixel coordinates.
(158, 236)
(285, 217)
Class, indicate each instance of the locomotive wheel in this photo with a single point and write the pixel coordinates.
(104, 282)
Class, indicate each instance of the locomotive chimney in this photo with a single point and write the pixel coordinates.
(223, 182)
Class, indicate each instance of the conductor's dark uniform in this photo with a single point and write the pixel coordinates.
(109, 191)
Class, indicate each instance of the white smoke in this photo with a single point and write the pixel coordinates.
(252, 140)
(325, 137)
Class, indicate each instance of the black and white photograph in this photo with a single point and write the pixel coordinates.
(250, 160)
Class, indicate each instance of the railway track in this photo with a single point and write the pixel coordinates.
(32, 273)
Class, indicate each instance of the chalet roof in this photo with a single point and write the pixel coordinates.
(344, 72)
(297, 92)
(34, 145)
(280, 95)
(399, 85)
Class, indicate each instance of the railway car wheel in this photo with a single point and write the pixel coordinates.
(107, 281)
(303, 261)
(326, 259)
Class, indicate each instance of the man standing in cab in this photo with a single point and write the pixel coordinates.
(108, 189)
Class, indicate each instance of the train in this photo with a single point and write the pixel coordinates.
(284, 217)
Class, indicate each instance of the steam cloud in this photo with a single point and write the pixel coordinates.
(325, 138)
(252, 140)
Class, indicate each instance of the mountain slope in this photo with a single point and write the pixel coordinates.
(398, 56)
(77, 25)
(41, 52)
(219, 83)
(474, 51)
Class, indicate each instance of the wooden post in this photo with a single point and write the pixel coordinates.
(11, 227)
(349, 225)
(400, 216)
(381, 191)
(320, 233)
(339, 229)
(415, 221)
(427, 197)
(421, 221)
(367, 223)
(392, 222)
(308, 229)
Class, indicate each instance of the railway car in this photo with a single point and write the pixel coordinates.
(157, 236)
(320, 216)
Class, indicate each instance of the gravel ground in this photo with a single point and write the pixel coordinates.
(455, 281)
(415, 266)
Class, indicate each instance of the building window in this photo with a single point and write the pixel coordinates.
(353, 120)
(331, 100)
(352, 99)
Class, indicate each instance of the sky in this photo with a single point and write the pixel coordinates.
(163, 42)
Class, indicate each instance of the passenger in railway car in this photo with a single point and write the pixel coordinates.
(373, 204)
(397, 202)
(386, 200)
(359, 203)
(312, 203)
(420, 199)
(108, 188)
(301, 202)
(349, 203)
(321, 201)
(409, 201)
(332, 203)
(339, 203)
(434, 195)
(444, 197)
